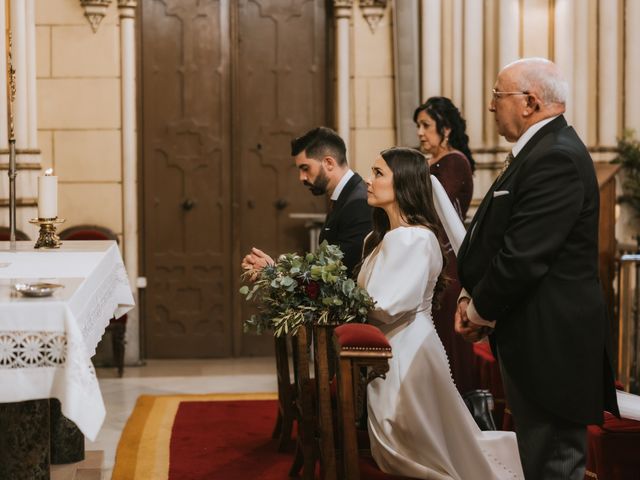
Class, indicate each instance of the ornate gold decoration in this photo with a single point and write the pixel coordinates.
(373, 11)
(48, 237)
(95, 11)
(11, 97)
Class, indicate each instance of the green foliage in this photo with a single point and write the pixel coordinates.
(299, 290)
(629, 158)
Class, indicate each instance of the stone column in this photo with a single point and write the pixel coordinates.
(564, 43)
(509, 44)
(343, 10)
(127, 10)
(609, 72)
(431, 42)
(583, 86)
(457, 31)
(474, 94)
(509, 28)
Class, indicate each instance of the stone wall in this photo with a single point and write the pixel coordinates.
(78, 85)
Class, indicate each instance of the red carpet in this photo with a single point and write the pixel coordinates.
(227, 440)
(201, 437)
(206, 437)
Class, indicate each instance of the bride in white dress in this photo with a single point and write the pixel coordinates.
(418, 424)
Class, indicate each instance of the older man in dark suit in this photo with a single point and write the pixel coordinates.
(529, 269)
(320, 156)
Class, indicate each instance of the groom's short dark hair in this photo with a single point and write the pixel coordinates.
(319, 142)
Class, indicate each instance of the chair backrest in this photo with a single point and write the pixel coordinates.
(87, 232)
(5, 233)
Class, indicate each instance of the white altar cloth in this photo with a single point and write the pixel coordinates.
(46, 344)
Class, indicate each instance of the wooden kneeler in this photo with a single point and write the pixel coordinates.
(357, 347)
(306, 453)
(286, 395)
(314, 413)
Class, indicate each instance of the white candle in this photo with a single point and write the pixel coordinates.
(48, 195)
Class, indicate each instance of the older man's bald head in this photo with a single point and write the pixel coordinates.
(540, 76)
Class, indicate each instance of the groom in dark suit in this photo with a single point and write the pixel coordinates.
(529, 269)
(320, 156)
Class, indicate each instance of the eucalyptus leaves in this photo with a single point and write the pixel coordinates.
(298, 290)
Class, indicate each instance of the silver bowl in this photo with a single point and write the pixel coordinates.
(40, 289)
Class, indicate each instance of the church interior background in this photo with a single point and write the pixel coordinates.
(168, 122)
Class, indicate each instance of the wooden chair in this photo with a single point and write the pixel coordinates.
(315, 442)
(117, 326)
(5, 233)
(306, 454)
(358, 348)
(286, 395)
(324, 368)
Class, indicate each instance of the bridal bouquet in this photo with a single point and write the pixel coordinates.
(305, 289)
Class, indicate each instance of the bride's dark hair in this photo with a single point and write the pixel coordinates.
(413, 192)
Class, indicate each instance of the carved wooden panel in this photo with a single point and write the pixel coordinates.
(187, 194)
(225, 86)
(281, 71)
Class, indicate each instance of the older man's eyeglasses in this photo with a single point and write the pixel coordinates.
(496, 94)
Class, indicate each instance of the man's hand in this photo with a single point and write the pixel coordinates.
(256, 261)
(470, 331)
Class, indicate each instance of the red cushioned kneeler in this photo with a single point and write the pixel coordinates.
(614, 449)
(361, 336)
(354, 343)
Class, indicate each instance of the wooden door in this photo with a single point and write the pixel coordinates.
(224, 86)
(281, 84)
(187, 177)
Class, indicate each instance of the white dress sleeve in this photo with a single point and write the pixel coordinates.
(397, 276)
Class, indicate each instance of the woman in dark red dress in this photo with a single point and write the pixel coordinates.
(443, 139)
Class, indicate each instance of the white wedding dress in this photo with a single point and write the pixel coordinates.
(418, 424)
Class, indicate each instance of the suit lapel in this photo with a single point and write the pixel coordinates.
(517, 162)
(344, 194)
(353, 182)
(348, 188)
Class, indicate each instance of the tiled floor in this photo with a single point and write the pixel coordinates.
(161, 377)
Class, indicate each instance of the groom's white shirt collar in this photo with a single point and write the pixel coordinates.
(528, 135)
(343, 181)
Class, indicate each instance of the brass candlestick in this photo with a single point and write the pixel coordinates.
(47, 237)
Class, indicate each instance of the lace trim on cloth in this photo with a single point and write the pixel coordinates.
(32, 349)
(103, 308)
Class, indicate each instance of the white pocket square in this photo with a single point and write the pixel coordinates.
(499, 193)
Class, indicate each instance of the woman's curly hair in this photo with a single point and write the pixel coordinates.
(447, 115)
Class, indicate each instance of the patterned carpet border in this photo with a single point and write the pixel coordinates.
(143, 449)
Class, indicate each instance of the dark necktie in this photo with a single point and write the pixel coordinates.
(505, 165)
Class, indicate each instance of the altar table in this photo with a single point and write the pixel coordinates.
(46, 344)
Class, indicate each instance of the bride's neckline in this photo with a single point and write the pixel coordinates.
(409, 226)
